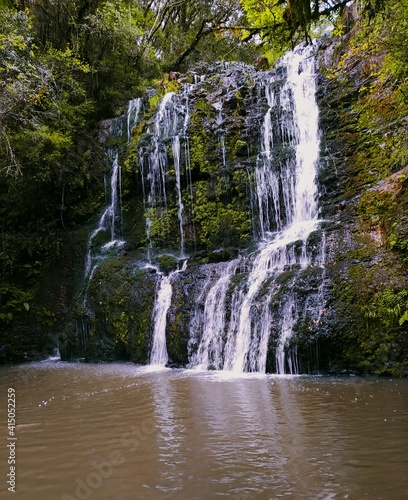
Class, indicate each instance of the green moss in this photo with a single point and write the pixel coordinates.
(239, 148)
(101, 238)
(372, 76)
(219, 224)
(200, 155)
(121, 298)
(371, 316)
(166, 263)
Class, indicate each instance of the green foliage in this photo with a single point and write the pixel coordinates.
(383, 209)
(189, 32)
(22, 78)
(13, 301)
(200, 158)
(113, 40)
(118, 21)
(398, 238)
(287, 22)
(372, 301)
(383, 344)
(373, 324)
(376, 119)
(162, 225)
(44, 109)
(388, 307)
(220, 223)
(166, 263)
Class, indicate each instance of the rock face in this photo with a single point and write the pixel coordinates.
(205, 196)
(367, 264)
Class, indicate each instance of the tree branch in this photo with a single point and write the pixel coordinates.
(201, 33)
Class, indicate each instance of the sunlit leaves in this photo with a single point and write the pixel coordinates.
(280, 23)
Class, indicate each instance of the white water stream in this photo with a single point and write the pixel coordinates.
(176, 157)
(287, 205)
(238, 320)
(167, 128)
(108, 220)
(111, 216)
(135, 108)
(158, 355)
(212, 325)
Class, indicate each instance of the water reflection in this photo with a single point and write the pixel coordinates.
(124, 432)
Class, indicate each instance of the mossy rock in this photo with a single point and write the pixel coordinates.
(120, 302)
(101, 238)
(222, 254)
(166, 263)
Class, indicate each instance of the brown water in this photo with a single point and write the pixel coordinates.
(121, 432)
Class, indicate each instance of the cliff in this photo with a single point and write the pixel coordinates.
(193, 187)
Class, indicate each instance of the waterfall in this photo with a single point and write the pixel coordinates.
(135, 108)
(210, 349)
(110, 215)
(286, 331)
(111, 218)
(158, 355)
(176, 157)
(165, 133)
(286, 198)
(242, 313)
(220, 121)
(286, 191)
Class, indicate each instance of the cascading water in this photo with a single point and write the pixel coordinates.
(218, 107)
(135, 109)
(287, 192)
(168, 127)
(242, 313)
(158, 354)
(110, 221)
(176, 156)
(286, 195)
(167, 130)
(212, 324)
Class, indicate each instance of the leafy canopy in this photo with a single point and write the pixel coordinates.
(283, 22)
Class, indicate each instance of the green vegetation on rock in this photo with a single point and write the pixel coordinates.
(67, 67)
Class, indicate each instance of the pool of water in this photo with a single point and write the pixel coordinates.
(120, 431)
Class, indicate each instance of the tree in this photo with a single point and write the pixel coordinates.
(113, 40)
(44, 117)
(290, 21)
(181, 28)
(22, 80)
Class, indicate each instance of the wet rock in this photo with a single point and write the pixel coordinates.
(222, 255)
(166, 263)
